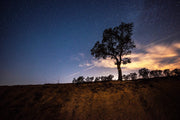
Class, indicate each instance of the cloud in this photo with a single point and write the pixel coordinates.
(81, 54)
(169, 38)
(177, 45)
(77, 57)
(161, 51)
(89, 68)
(153, 57)
(107, 63)
(87, 64)
(84, 70)
(73, 74)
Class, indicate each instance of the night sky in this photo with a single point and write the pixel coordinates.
(46, 41)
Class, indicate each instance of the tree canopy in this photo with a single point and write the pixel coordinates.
(116, 44)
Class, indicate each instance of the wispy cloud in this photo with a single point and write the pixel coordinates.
(89, 68)
(177, 45)
(87, 64)
(107, 63)
(73, 74)
(84, 70)
(81, 54)
(77, 57)
(155, 42)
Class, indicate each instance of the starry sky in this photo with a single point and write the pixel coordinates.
(49, 41)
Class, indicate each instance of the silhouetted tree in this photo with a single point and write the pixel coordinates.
(110, 77)
(80, 79)
(116, 43)
(107, 78)
(133, 76)
(89, 79)
(126, 77)
(74, 80)
(175, 72)
(144, 72)
(166, 72)
(151, 74)
(160, 73)
(97, 79)
(104, 78)
(156, 73)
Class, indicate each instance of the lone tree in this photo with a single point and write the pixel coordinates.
(116, 44)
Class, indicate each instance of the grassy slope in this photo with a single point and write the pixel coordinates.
(154, 99)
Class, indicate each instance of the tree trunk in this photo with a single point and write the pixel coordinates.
(119, 72)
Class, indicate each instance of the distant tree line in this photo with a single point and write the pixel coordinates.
(146, 73)
(143, 73)
(82, 79)
(131, 76)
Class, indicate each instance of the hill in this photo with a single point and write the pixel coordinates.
(152, 99)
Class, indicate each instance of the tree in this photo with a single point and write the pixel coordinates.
(116, 44)
(107, 78)
(97, 79)
(133, 76)
(110, 77)
(104, 78)
(89, 79)
(166, 72)
(144, 72)
(74, 80)
(152, 73)
(126, 77)
(80, 79)
(156, 73)
(175, 72)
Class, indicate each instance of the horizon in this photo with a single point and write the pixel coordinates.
(50, 41)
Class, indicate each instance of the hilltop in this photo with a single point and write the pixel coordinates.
(150, 99)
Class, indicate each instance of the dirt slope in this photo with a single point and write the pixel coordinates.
(154, 99)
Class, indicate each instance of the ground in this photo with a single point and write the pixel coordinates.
(148, 99)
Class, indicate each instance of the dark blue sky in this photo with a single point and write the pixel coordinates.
(50, 40)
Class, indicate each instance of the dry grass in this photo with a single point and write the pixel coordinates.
(153, 99)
